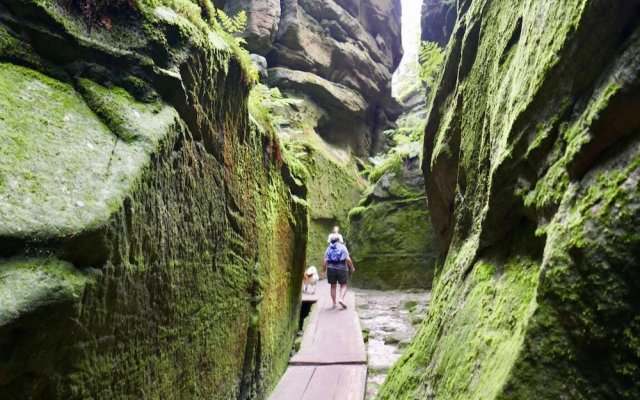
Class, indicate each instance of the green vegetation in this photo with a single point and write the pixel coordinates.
(408, 144)
(390, 235)
(264, 102)
(71, 166)
(210, 19)
(27, 284)
(533, 190)
(392, 245)
(430, 58)
(498, 301)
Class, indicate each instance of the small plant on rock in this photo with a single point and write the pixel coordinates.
(430, 57)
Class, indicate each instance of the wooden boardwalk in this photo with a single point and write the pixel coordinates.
(332, 361)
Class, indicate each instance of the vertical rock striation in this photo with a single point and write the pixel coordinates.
(149, 245)
(532, 164)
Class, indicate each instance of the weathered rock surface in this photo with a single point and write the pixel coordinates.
(408, 86)
(353, 44)
(260, 63)
(390, 237)
(532, 163)
(340, 109)
(438, 20)
(263, 17)
(331, 174)
(387, 319)
(149, 246)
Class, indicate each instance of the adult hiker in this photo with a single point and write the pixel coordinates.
(334, 265)
(336, 231)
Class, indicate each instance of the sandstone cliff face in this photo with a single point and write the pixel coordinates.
(438, 20)
(532, 164)
(337, 57)
(352, 46)
(390, 237)
(149, 244)
(330, 173)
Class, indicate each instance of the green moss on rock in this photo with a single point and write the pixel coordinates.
(334, 188)
(151, 245)
(531, 177)
(390, 236)
(30, 284)
(390, 245)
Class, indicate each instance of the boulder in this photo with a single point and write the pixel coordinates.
(352, 44)
(337, 99)
(263, 17)
(338, 109)
(260, 63)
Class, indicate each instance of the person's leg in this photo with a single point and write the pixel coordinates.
(333, 294)
(343, 288)
(332, 278)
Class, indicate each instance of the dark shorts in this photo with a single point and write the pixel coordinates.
(335, 275)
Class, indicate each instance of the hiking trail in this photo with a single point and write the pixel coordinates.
(332, 361)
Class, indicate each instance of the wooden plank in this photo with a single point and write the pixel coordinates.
(333, 336)
(343, 382)
(293, 383)
(331, 363)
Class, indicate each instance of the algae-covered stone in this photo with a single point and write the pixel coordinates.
(31, 284)
(334, 188)
(532, 158)
(62, 169)
(149, 245)
(330, 171)
(390, 236)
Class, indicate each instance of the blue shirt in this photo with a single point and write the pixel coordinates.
(343, 257)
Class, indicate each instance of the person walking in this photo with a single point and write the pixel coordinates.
(336, 231)
(334, 265)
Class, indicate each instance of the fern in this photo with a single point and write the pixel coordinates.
(264, 101)
(430, 57)
(234, 24)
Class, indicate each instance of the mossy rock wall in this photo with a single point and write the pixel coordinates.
(334, 185)
(149, 246)
(390, 237)
(532, 164)
(333, 190)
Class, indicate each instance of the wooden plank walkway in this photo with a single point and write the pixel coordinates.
(332, 361)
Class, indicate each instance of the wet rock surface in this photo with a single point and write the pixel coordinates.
(136, 252)
(389, 321)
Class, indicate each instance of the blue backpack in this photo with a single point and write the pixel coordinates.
(335, 254)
